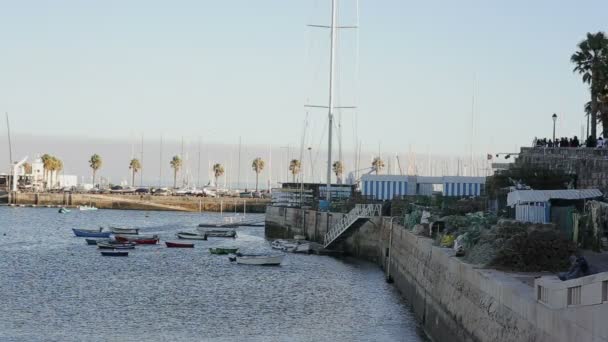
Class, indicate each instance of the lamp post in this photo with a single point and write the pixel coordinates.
(554, 120)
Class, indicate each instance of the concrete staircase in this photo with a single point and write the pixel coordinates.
(359, 213)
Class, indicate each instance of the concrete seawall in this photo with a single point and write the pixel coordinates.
(145, 202)
(454, 301)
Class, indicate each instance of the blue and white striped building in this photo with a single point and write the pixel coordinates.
(386, 187)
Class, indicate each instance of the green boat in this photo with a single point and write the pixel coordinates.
(223, 250)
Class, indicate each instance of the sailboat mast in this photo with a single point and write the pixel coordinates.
(332, 57)
(141, 172)
(160, 164)
(10, 146)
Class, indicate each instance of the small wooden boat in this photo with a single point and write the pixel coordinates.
(139, 240)
(63, 210)
(179, 244)
(94, 242)
(86, 208)
(103, 245)
(221, 233)
(223, 250)
(124, 231)
(191, 236)
(91, 233)
(115, 253)
(259, 259)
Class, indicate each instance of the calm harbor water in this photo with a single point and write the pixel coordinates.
(56, 288)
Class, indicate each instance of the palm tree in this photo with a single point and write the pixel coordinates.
(57, 166)
(258, 166)
(218, 171)
(46, 163)
(176, 164)
(377, 164)
(591, 62)
(134, 166)
(95, 164)
(338, 170)
(294, 167)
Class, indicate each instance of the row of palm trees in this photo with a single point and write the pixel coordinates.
(591, 62)
(53, 165)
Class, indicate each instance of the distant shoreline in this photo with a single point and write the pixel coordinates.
(144, 202)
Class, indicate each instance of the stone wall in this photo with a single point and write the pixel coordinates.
(589, 164)
(453, 300)
(145, 202)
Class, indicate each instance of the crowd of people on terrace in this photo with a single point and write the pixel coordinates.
(571, 142)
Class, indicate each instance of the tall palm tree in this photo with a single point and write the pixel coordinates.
(294, 168)
(134, 166)
(176, 164)
(57, 167)
(46, 163)
(95, 164)
(377, 164)
(338, 168)
(218, 171)
(591, 61)
(258, 166)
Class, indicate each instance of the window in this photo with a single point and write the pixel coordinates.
(574, 295)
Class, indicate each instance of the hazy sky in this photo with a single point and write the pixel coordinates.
(218, 70)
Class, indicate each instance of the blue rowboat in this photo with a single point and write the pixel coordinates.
(91, 233)
(115, 253)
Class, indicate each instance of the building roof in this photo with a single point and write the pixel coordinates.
(527, 196)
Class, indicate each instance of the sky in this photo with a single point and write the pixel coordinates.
(440, 77)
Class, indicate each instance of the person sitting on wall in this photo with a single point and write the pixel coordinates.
(578, 268)
(591, 142)
(575, 142)
(600, 143)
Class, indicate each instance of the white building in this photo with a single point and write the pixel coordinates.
(386, 187)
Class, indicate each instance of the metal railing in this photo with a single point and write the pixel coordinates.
(360, 211)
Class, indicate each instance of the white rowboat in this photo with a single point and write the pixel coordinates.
(266, 260)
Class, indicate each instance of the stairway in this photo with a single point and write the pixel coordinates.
(360, 212)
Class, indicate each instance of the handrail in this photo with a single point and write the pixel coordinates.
(360, 211)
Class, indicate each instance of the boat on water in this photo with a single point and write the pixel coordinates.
(223, 250)
(291, 247)
(86, 208)
(228, 233)
(139, 239)
(115, 253)
(125, 231)
(91, 233)
(179, 244)
(63, 210)
(191, 236)
(258, 259)
(94, 242)
(105, 245)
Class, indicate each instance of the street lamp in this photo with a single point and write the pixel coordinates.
(554, 119)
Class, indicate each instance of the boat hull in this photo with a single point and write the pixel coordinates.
(114, 253)
(90, 233)
(189, 236)
(125, 231)
(261, 260)
(222, 251)
(148, 240)
(101, 245)
(179, 245)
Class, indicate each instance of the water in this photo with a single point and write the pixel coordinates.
(56, 288)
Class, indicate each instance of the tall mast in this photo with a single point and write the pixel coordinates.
(160, 164)
(10, 146)
(332, 57)
(141, 173)
(238, 177)
(198, 172)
